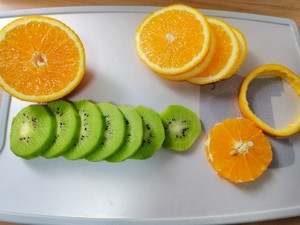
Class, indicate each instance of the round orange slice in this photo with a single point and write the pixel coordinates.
(226, 55)
(42, 59)
(275, 70)
(238, 150)
(200, 67)
(173, 39)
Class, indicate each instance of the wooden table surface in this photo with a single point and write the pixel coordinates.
(279, 8)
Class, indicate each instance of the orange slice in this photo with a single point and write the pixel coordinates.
(243, 49)
(173, 39)
(42, 59)
(238, 150)
(226, 55)
(285, 74)
(200, 67)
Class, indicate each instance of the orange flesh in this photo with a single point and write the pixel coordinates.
(31, 59)
(247, 163)
(168, 44)
(222, 53)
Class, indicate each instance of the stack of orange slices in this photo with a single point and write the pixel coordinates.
(179, 43)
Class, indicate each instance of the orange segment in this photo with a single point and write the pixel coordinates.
(237, 150)
(42, 59)
(285, 74)
(225, 57)
(173, 39)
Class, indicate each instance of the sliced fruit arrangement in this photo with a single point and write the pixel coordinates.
(180, 43)
(103, 131)
(42, 59)
(238, 150)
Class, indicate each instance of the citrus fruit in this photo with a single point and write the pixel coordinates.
(243, 49)
(275, 70)
(42, 59)
(238, 150)
(173, 39)
(201, 66)
(226, 55)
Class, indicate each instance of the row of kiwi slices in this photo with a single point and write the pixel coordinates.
(100, 131)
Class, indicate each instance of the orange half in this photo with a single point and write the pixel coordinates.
(42, 59)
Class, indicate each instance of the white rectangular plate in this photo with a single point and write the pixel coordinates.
(171, 187)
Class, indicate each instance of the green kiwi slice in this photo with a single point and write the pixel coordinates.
(153, 133)
(182, 127)
(134, 135)
(91, 130)
(68, 128)
(33, 130)
(114, 134)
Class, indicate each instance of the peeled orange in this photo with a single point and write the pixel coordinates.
(42, 59)
(238, 150)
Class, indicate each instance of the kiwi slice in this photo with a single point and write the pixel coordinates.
(91, 130)
(182, 127)
(33, 130)
(68, 127)
(153, 133)
(134, 135)
(114, 134)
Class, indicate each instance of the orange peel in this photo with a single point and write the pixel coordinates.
(285, 74)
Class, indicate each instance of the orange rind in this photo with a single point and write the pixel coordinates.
(275, 70)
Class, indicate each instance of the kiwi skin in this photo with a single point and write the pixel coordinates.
(182, 127)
